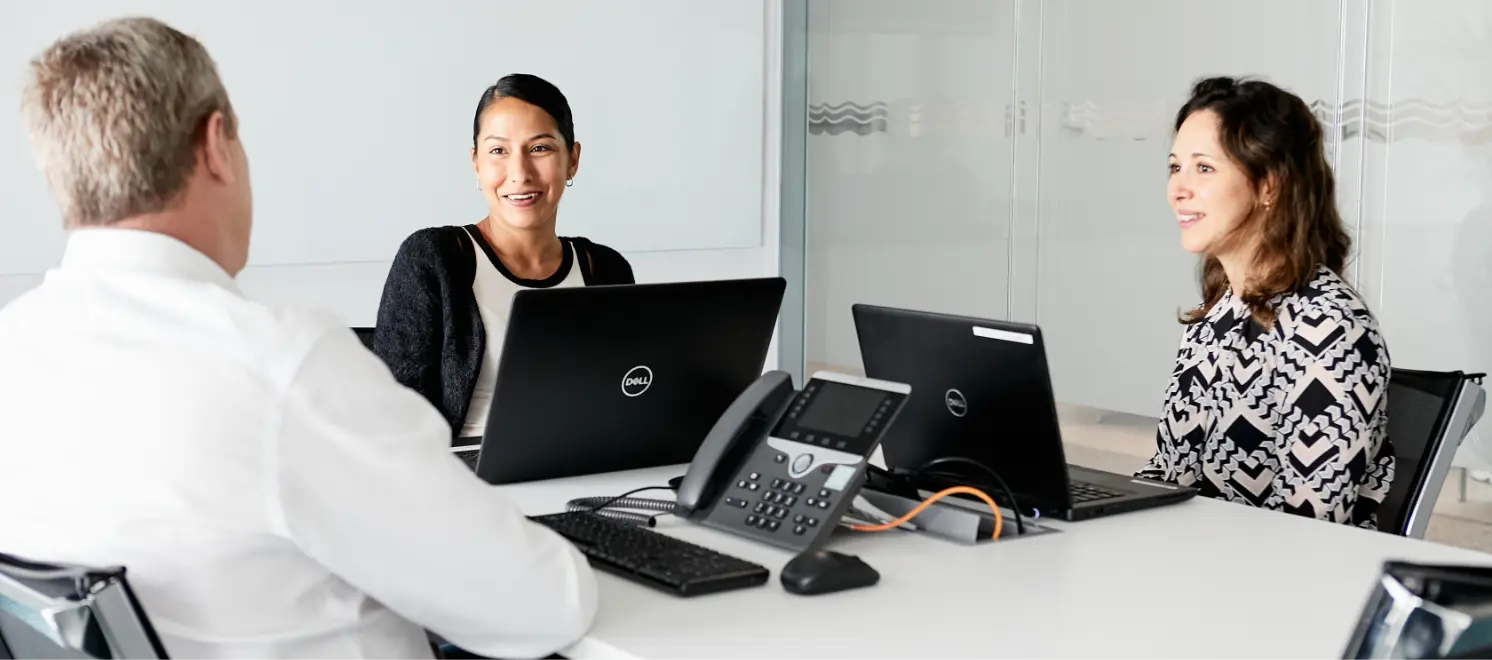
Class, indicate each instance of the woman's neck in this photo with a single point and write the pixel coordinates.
(1239, 267)
(529, 255)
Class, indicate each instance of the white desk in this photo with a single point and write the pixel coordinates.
(1200, 579)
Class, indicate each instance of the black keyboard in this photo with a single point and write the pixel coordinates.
(654, 559)
(1086, 492)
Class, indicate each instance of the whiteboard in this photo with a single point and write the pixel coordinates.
(357, 117)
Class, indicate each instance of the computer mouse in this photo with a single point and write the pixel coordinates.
(825, 571)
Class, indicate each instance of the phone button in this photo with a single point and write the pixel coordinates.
(780, 458)
(802, 463)
(799, 530)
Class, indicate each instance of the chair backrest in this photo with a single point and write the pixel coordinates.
(1429, 412)
(59, 611)
(365, 334)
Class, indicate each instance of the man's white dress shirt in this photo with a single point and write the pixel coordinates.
(268, 486)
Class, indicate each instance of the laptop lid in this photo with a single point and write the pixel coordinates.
(980, 390)
(606, 378)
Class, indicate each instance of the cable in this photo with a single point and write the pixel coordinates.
(646, 504)
(631, 517)
(1015, 506)
(597, 504)
(999, 519)
(609, 502)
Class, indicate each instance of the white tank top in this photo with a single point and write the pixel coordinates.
(494, 291)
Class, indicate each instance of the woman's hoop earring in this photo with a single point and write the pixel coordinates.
(570, 183)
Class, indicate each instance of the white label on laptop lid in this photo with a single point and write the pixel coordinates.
(1003, 335)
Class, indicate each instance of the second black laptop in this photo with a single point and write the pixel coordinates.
(981, 391)
(606, 378)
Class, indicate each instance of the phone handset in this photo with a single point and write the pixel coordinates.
(748, 419)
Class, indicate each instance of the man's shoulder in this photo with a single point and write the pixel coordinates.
(281, 338)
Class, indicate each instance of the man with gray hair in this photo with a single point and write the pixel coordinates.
(270, 488)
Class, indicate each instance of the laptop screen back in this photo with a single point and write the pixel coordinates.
(980, 390)
(607, 378)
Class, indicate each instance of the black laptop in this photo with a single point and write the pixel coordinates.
(605, 378)
(981, 391)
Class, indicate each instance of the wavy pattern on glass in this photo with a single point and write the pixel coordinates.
(1406, 120)
(847, 117)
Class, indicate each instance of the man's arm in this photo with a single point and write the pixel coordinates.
(368, 487)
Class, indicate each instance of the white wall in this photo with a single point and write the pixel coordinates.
(917, 215)
(358, 125)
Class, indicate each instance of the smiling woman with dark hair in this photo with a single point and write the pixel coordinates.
(446, 301)
(1279, 393)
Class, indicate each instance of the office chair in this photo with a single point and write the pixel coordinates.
(57, 611)
(364, 334)
(1429, 413)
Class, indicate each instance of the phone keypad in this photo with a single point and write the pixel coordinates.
(771, 511)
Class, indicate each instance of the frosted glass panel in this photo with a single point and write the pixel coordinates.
(908, 163)
(1434, 236)
(1427, 238)
(1111, 275)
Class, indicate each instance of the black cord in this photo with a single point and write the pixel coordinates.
(634, 491)
(1020, 525)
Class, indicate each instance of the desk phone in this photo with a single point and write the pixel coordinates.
(780, 466)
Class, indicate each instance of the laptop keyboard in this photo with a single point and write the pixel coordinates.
(470, 459)
(1085, 492)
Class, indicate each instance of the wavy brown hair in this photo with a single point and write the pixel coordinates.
(1273, 137)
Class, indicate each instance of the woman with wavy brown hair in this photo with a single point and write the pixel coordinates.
(1279, 392)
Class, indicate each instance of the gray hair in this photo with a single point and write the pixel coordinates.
(114, 113)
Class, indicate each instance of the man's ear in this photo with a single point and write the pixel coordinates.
(217, 149)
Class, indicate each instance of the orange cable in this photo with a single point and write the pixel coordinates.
(999, 519)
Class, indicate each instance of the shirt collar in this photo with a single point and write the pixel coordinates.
(141, 251)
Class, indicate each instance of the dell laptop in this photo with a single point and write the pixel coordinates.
(605, 378)
(981, 391)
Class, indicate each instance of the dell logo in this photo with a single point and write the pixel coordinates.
(956, 403)
(637, 380)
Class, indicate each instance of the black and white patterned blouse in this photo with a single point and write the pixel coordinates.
(1292, 418)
